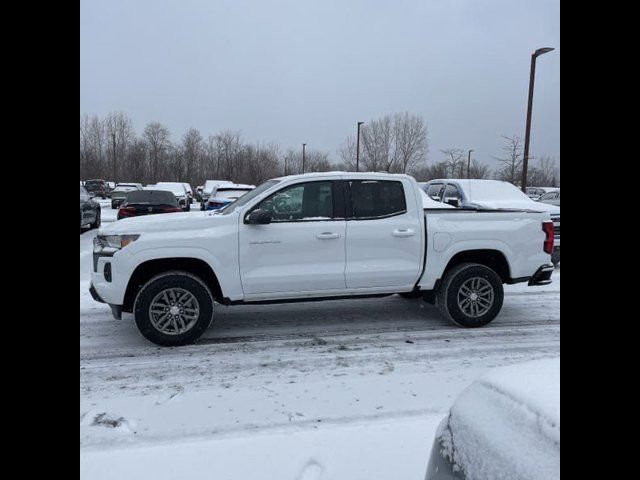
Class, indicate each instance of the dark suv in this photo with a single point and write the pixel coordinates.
(96, 188)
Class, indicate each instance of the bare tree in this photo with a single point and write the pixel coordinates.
(192, 152)
(410, 141)
(456, 161)
(120, 125)
(377, 143)
(347, 153)
(544, 173)
(157, 138)
(511, 160)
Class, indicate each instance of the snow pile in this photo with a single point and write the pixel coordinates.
(506, 425)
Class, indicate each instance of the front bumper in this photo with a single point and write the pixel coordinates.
(542, 275)
(109, 282)
(116, 310)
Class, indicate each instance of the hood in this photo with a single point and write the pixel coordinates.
(165, 222)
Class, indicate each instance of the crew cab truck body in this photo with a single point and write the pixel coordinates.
(317, 236)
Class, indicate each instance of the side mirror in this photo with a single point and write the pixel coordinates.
(454, 202)
(258, 217)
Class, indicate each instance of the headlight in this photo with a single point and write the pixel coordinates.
(109, 244)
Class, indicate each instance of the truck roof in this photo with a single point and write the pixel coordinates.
(380, 175)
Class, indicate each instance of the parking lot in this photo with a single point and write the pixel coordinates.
(346, 376)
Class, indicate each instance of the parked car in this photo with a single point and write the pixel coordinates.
(179, 190)
(552, 198)
(189, 190)
(207, 189)
(288, 240)
(506, 425)
(148, 202)
(488, 194)
(119, 193)
(534, 193)
(96, 188)
(89, 210)
(225, 194)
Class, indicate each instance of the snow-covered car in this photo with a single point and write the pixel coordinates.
(207, 190)
(190, 193)
(317, 236)
(97, 188)
(552, 198)
(225, 194)
(504, 426)
(89, 210)
(119, 193)
(491, 194)
(178, 189)
(534, 193)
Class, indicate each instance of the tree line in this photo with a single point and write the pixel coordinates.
(111, 149)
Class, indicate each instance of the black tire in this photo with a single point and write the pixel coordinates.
(155, 286)
(447, 295)
(411, 295)
(98, 221)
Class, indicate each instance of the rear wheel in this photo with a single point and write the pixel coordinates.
(471, 295)
(173, 309)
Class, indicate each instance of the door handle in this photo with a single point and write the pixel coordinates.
(327, 236)
(403, 232)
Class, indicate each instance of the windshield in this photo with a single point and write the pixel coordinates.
(151, 197)
(248, 197)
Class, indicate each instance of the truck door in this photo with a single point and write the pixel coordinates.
(384, 241)
(303, 248)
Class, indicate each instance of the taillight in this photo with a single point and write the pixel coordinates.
(171, 209)
(547, 228)
(127, 211)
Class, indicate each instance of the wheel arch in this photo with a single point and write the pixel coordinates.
(150, 268)
(493, 259)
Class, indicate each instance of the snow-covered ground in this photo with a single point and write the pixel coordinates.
(350, 389)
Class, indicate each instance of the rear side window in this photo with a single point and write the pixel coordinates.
(371, 199)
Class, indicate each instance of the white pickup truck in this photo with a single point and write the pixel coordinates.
(315, 237)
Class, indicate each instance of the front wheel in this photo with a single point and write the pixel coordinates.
(173, 309)
(471, 295)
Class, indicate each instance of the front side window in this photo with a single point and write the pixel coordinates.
(434, 191)
(301, 202)
(371, 199)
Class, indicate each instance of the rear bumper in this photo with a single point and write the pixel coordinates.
(542, 275)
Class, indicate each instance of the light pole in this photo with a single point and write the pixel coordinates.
(469, 164)
(113, 136)
(527, 134)
(358, 148)
(304, 155)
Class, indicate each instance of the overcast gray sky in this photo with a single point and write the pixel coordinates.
(295, 71)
